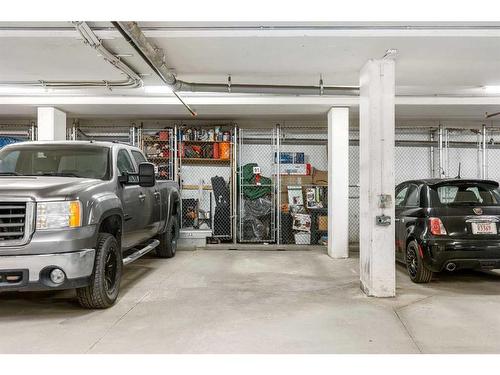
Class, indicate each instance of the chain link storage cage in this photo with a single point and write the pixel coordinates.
(414, 154)
(256, 176)
(106, 133)
(302, 184)
(462, 153)
(205, 165)
(416, 157)
(159, 145)
(353, 186)
(17, 132)
(491, 154)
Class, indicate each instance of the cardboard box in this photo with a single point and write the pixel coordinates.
(290, 158)
(295, 195)
(319, 177)
(294, 181)
(302, 238)
(322, 222)
(301, 222)
(295, 169)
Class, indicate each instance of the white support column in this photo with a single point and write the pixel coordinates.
(51, 124)
(338, 182)
(376, 143)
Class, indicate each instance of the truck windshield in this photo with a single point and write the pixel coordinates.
(465, 194)
(56, 160)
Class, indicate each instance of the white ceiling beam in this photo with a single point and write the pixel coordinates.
(266, 32)
(171, 100)
(230, 99)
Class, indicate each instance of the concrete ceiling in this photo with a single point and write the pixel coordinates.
(433, 60)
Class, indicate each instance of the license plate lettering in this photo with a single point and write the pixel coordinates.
(484, 228)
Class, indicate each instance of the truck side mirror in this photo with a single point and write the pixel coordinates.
(147, 175)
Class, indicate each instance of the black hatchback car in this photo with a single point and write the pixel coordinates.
(447, 224)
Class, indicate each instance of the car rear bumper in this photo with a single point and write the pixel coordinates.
(463, 254)
(31, 272)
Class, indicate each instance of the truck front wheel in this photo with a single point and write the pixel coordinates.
(105, 280)
(168, 239)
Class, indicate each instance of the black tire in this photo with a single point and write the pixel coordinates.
(105, 280)
(415, 266)
(168, 239)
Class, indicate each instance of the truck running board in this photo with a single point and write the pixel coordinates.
(139, 253)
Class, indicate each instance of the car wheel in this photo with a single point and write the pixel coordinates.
(168, 239)
(105, 280)
(415, 266)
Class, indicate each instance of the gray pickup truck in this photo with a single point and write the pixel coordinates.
(72, 214)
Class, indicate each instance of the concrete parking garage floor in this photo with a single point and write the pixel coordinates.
(259, 302)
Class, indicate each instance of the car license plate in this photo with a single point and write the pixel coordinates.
(484, 228)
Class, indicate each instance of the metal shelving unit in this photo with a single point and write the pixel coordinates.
(159, 146)
(195, 173)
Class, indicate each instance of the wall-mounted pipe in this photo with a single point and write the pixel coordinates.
(152, 56)
(89, 38)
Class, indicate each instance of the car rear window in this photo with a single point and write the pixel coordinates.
(465, 194)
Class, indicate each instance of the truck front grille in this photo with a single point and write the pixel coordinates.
(12, 221)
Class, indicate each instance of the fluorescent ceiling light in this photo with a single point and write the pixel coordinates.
(157, 89)
(23, 90)
(492, 89)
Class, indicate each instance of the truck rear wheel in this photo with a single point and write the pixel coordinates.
(168, 239)
(105, 280)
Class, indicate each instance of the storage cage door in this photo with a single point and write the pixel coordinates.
(302, 163)
(205, 157)
(257, 185)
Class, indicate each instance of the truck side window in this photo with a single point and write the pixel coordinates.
(138, 157)
(124, 163)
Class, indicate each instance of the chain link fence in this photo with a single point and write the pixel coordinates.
(17, 132)
(257, 185)
(302, 162)
(462, 153)
(106, 133)
(205, 170)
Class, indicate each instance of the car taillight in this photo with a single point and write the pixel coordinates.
(437, 227)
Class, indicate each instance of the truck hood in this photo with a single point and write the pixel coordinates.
(44, 187)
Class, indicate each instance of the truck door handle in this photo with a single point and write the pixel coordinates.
(142, 196)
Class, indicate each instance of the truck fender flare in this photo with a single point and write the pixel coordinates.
(102, 206)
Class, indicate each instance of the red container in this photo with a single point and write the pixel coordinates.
(216, 151)
(163, 136)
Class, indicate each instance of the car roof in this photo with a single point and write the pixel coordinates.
(444, 181)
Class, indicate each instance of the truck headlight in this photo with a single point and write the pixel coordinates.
(56, 215)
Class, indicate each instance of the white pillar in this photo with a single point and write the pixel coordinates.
(51, 124)
(376, 143)
(338, 182)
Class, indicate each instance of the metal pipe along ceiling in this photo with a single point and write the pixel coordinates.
(89, 38)
(151, 54)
